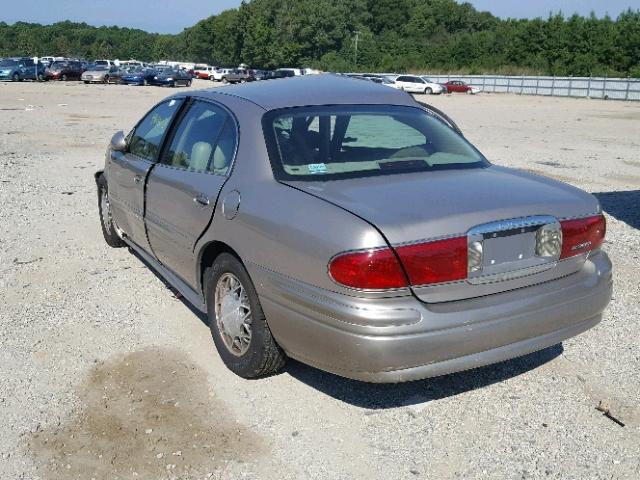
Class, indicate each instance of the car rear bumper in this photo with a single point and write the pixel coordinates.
(400, 339)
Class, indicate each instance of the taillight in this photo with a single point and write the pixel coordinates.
(435, 262)
(424, 263)
(369, 270)
(582, 235)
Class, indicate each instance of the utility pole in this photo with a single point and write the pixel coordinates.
(355, 55)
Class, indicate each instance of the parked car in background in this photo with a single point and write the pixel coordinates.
(237, 75)
(19, 69)
(352, 228)
(203, 72)
(138, 76)
(64, 70)
(260, 74)
(381, 79)
(129, 64)
(459, 86)
(102, 74)
(273, 75)
(103, 63)
(416, 84)
(171, 77)
(46, 61)
(218, 73)
(296, 71)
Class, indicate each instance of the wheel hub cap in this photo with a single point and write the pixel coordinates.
(233, 314)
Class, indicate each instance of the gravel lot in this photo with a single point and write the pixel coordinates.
(105, 375)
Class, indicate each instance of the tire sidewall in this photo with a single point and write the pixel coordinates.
(250, 363)
(110, 235)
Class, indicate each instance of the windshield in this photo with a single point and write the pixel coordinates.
(8, 63)
(357, 141)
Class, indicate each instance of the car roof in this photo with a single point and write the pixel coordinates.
(313, 90)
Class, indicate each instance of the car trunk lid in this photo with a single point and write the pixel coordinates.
(502, 207)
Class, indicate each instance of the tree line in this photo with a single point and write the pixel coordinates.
(358, 35)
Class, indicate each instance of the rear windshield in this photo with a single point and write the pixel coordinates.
(358, 141)
(8, 63)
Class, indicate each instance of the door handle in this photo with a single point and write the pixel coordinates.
(201, 200)
(137, 179)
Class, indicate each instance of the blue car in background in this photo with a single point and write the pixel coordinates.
(19, 69)
(139, 76)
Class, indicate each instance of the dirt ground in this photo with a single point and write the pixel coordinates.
(104, 374)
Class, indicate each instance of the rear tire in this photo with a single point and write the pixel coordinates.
(260, 355)
(109, 230)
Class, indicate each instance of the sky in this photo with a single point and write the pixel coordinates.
(172, 16)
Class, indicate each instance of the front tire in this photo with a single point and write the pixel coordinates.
(428, 91)
(15, 78)
(225, 81)
(238, 324)
(109, 230)
(64, 78)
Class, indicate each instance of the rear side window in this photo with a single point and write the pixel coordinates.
(147, 137)
(325, 143)
(204, 141)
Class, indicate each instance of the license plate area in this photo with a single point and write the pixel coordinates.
(509, 249)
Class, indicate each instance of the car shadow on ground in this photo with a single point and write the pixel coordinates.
(624, 206)
(383, 396)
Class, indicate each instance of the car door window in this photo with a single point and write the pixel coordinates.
(204, 140)
(147, 137)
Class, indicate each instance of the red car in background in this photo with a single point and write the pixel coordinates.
(459, 86)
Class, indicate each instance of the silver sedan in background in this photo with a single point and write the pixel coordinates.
(103, 74)
(344, 224)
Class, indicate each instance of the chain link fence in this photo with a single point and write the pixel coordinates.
(579, 87)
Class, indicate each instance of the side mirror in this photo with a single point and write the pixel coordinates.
(119, 142)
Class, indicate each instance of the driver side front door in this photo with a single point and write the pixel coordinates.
(127, 171)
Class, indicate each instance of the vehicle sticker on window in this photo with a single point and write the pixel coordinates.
(317, 168)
